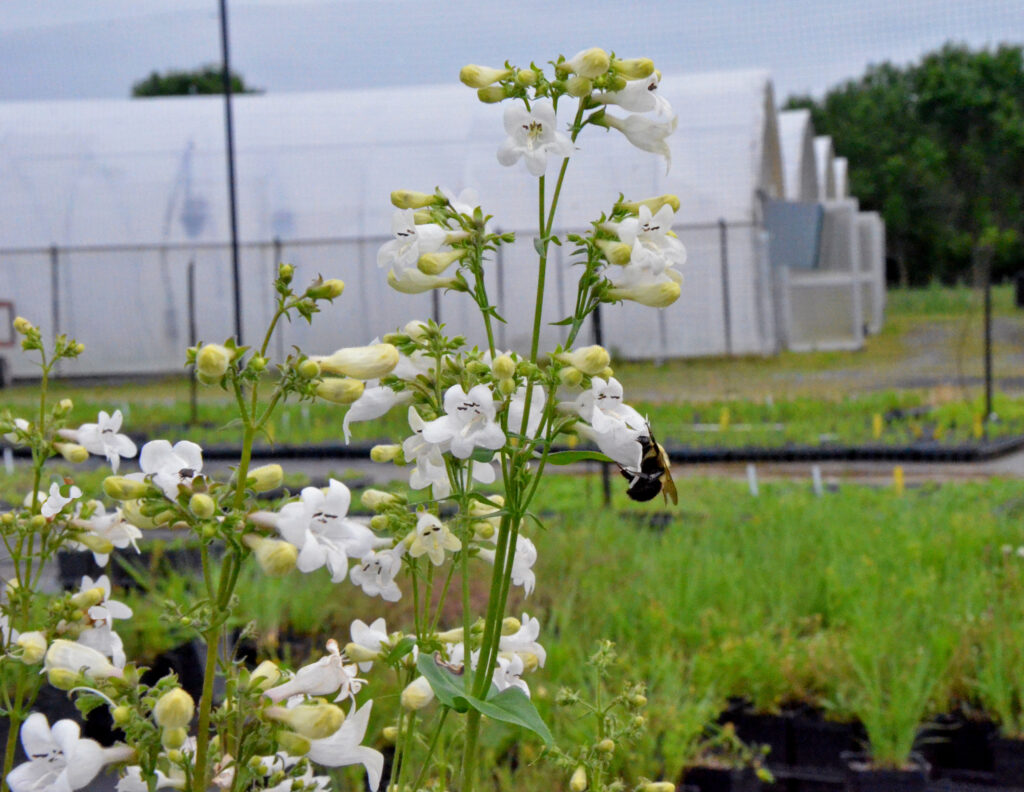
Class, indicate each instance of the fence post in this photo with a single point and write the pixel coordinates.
(499, 264)
(723, 248)
(983, 269)
(55, 294)
(193, 398)
(606, 479)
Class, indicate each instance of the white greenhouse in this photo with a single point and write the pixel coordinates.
(106, 203)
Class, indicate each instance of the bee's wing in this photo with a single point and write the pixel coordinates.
(668, 486)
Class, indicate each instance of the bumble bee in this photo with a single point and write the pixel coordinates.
(654, 475)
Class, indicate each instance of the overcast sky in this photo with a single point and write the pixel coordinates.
(65, 49)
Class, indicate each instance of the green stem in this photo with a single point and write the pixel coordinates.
(430, 749)
(205, 706)
(13, 728)
(469, 750)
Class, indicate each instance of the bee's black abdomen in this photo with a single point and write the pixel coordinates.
(645, 487)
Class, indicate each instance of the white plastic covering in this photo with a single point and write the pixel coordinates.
(840, 177)
(321, 167)
(796, 136)
(824, 154)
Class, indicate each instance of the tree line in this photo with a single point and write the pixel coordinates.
(937, 147)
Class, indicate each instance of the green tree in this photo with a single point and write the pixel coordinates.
(937, 147)
(204, 80)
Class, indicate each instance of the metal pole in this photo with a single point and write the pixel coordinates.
(606, 479)
(55, 293)
(499, 264)
(723, 248)
(193, 398)
(230, 134)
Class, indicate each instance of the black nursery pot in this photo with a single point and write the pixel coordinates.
(821, 743)
(862, 777)
(1007, 761)
(722, 779)
(757, 728)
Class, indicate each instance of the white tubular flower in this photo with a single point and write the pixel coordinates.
(363, 363)
(317, 524)
(59, 759)
(522, 563)
(132, 781)
(21, 430)
(606, 396)
(53, 502)
(369, 637)
(508, 673)
(170, 467)
(465, 203)
(64, 655)
(639, 96)
(432, 539)
(653, 294)
(344, 747)
(468, 424)
(589, 63)
(412, 281)
(524, 641)
(376, 400)
(102, 438)
(532, 136)
(411, 241)
(645, 134)
(112, 528)
(100, 634)
(325, 676)
(516, 406)
(375, 574)
(106, 610)
(652, 248)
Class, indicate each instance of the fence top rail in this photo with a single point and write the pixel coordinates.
(50, 250)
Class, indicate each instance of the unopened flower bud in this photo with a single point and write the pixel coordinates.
(507, 386)
(62, 679)
(579, 86)
(173, 738)
(530, 661)
(124, 489)
(417, 694)
(202, 505)
(121, 715)
(326, 290)
(285, 272)
(638, 700)
(653, 295)
(654, 204)
(95, 543)
(590, 360)
(212, 360)
(366, 362)
(617, 253)
(494, 504)
(380, 522)
(84, 600)
(386, 453)
(452, 636)
(264, 676)
(37, 523)
(23, 326)
(257, 363)
(481, 76)
(436, 263)
(78, 658)
(590, 63)
(131, 510)
(492, 94)
(416, 330)
(358, 653)
(378, 500)
(309, 369)
(526, 77)
(639, 721)
(340, 390)
(633, 68)
(510, 625)
(578, 782)
(606, 745)
(32, 646)
(570, 376)
(293, 744)
(607, 373)
(314, 721)
(410, 199)
(266, 478)
(174, 709)
(422, 217)
(63, 407)
(483, 529)
(658, 786)
(503, 367)
(72, 452)
(275, 557)
(390, 734)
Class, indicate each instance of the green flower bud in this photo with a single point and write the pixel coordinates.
(653, 295)
(266, 478)
(173, 738)
(578, 782)
(360, 654)
(285, 272)
(64, 407)
(579, 86)
(62, 679)
(526, 77)
(37, 523)
(452, 636)
(95, 543)
(510, 625)
(492, 94)
(507, 386)
(390, 734)
(387, 453)
(121, 715)
(309, 369)
(380, 522)
(202, 505)
(86, 599)
(378, 500)
(131, 510)
(325, 289)
(72, 452)
(291, 743)
(481, 76)
(174, 710)
(654, 204)
(436, 263)
(212, 361)
(410, 199)
(589, 63)
(417, 694)
(32, 646)
(264, 676)
(23, 326)
(314, 721)
(503, 367)
(483, 529)
(590, 360)
(570, 376)
(416, 330)
(658, 786)
(606, 745)
(275, 557)
(616, 252)
(257, 363)
(123, 488)
(340, 390)
(633, 68)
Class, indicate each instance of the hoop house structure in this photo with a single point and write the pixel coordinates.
(106, 204)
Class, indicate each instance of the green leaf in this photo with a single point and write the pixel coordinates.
(513, 706)
(400, 650)
(538, 245)
(567, 321)
(482, 455)
(570, 457)
(446, 685)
